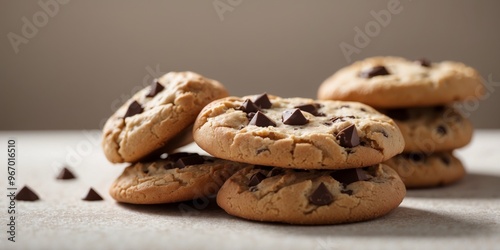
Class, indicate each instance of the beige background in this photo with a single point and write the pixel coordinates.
(91, 55)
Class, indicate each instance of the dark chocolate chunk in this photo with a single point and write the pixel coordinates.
(189, 160)
(441, 130)
(348, 137)
(321, 196)
(262, 101)
(155, 88)
(446, 160)
(275, 171)
(398, 114)
(310, 108)
(375, 71)
(133, 109)
(249, 107)
(92, 196)
(65, 174)
(256, 179)
(341, 118)
(414, 156)
(423, 62)
(348, 176)
(293, 117)
(261, 120)
(26, 194)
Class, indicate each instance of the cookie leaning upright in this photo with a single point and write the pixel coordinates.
(156, 114)
(296, 132)
(395, 82)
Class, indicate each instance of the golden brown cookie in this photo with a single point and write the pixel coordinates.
(156, 114)
(311, 196)
(178, 177)
(394, 82)
(419, 170)
(432, 129)
(296, 132)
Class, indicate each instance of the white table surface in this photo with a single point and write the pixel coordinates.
(462, 216)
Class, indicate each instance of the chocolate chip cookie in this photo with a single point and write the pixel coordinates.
(419, 170)
(394, 82)
(156, 114)
(311, 196)
(431, 129)
(296, 132)
(178, 177)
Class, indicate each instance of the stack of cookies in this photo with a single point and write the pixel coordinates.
(419, 96)
(154, 121)
(310, 162)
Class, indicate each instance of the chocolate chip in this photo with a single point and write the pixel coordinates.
(189, 161)
(414, 156)
(256, 179)
(168, 165)
(375, 71)
(133, 109)
(261, 120)
(446, 160)
(310, 108)
(441, 130)
(346, 191)
(293, 117)
(348, 137)
(275, 171)
(348, 176)
(92, 196)
(248, 107)
(155, 88)
(423, 62)
(65, 174)
(341, 118)
(26, 194)
(362, 109)
(250, 115)
(263, 101)
(398, 114)
(321, 196)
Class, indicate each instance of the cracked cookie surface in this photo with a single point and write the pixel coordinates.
(432, 129)
(395, 82)
(418, 170)
(156, 114)
(311, 196)
(321, 135)
(179, 177)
